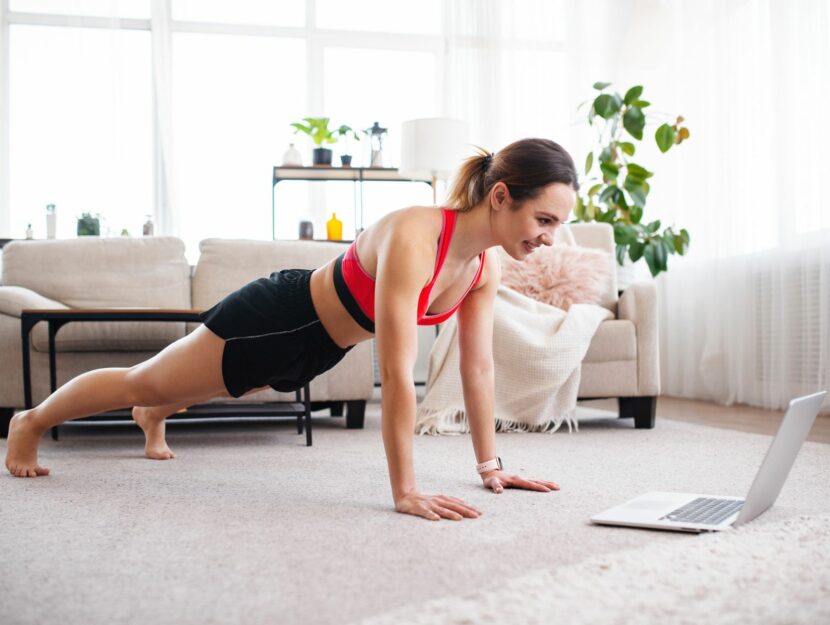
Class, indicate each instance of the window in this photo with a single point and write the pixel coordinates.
(233, 99)
(81, 127)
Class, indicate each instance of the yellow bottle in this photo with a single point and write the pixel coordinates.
(334, 228)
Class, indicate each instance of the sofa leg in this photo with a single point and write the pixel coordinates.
(336, 408)
(355, 412)
(642, 409)
(6, 415)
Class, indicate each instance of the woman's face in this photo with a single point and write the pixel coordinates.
(533, 224)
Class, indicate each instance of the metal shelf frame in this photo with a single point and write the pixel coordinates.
(358, 175)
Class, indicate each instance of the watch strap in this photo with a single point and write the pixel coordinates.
(490, 465)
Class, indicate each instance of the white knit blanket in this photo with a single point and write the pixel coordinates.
(537, 351)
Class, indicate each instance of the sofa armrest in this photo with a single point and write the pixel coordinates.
(15, 299)
(638, 304)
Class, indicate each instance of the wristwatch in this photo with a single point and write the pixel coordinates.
(490, 465)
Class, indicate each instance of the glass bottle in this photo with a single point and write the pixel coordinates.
(51, 221)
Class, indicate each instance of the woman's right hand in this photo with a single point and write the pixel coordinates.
(435, 507)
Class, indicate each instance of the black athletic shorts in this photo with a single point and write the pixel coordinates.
(272, 334)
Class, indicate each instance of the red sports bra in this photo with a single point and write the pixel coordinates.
(356, 288)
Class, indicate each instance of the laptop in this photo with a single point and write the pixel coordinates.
(687, 512)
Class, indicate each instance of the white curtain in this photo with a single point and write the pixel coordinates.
(501, 67)
(745, 317)
(167, 217)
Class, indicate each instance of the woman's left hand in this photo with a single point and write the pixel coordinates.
(497, 481)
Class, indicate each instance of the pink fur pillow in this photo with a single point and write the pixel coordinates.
(560, 275)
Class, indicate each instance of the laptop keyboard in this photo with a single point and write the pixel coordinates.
(705, 510)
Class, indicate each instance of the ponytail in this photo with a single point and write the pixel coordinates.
(525, 166)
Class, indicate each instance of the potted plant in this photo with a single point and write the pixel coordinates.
(318, 129)
(346, 131)
(620, 186)
(89, 225)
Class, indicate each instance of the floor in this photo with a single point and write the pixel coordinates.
(738, 417)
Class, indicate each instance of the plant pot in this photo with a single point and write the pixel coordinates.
(322, 156)
(346, 160)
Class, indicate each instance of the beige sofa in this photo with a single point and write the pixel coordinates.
(146, 272)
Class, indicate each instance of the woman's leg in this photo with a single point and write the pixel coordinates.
(151, 420)
(189, 370)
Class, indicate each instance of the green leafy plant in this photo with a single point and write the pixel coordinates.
(89, 225)
(318, 129)
(617, 192)
(347, 131)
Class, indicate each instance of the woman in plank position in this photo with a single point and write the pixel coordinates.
(415, 266)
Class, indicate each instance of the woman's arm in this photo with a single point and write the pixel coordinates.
(404, 267)
(475, 342)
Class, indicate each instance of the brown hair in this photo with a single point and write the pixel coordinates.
(525, 166)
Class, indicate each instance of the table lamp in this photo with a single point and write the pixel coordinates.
(432, 148)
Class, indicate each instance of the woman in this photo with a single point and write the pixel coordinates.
(416, 266)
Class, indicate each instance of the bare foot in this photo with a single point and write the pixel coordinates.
(21, 449)
(152, 422)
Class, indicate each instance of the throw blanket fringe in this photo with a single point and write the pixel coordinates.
(537, 355)
(453, 421)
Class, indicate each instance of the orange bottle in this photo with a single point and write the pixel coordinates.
(334, 228)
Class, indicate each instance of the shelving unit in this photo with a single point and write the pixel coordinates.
(358, 175)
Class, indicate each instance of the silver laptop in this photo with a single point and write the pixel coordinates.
(686, 512)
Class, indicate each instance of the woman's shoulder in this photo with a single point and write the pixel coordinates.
(417, 224)
(410, 232)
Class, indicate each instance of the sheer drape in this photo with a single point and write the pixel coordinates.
(167, 217)
(746, 316)
(506, 69)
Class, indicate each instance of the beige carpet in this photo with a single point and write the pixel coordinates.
(250, 526)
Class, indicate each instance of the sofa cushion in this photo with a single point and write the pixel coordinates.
(91, 272)
(560, 275)
(228, 264)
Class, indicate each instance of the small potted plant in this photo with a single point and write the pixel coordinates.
(617, 191)
(89, 225)
(318, 129)
(345, 132)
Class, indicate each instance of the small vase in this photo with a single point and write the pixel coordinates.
(346, 160)
(306, 230)
(334, 228)
(322, 156)
(292, 157)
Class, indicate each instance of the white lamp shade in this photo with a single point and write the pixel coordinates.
(432, 147)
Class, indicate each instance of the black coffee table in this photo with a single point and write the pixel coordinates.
(57, 318)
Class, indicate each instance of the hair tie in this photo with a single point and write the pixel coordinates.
(487, 159)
